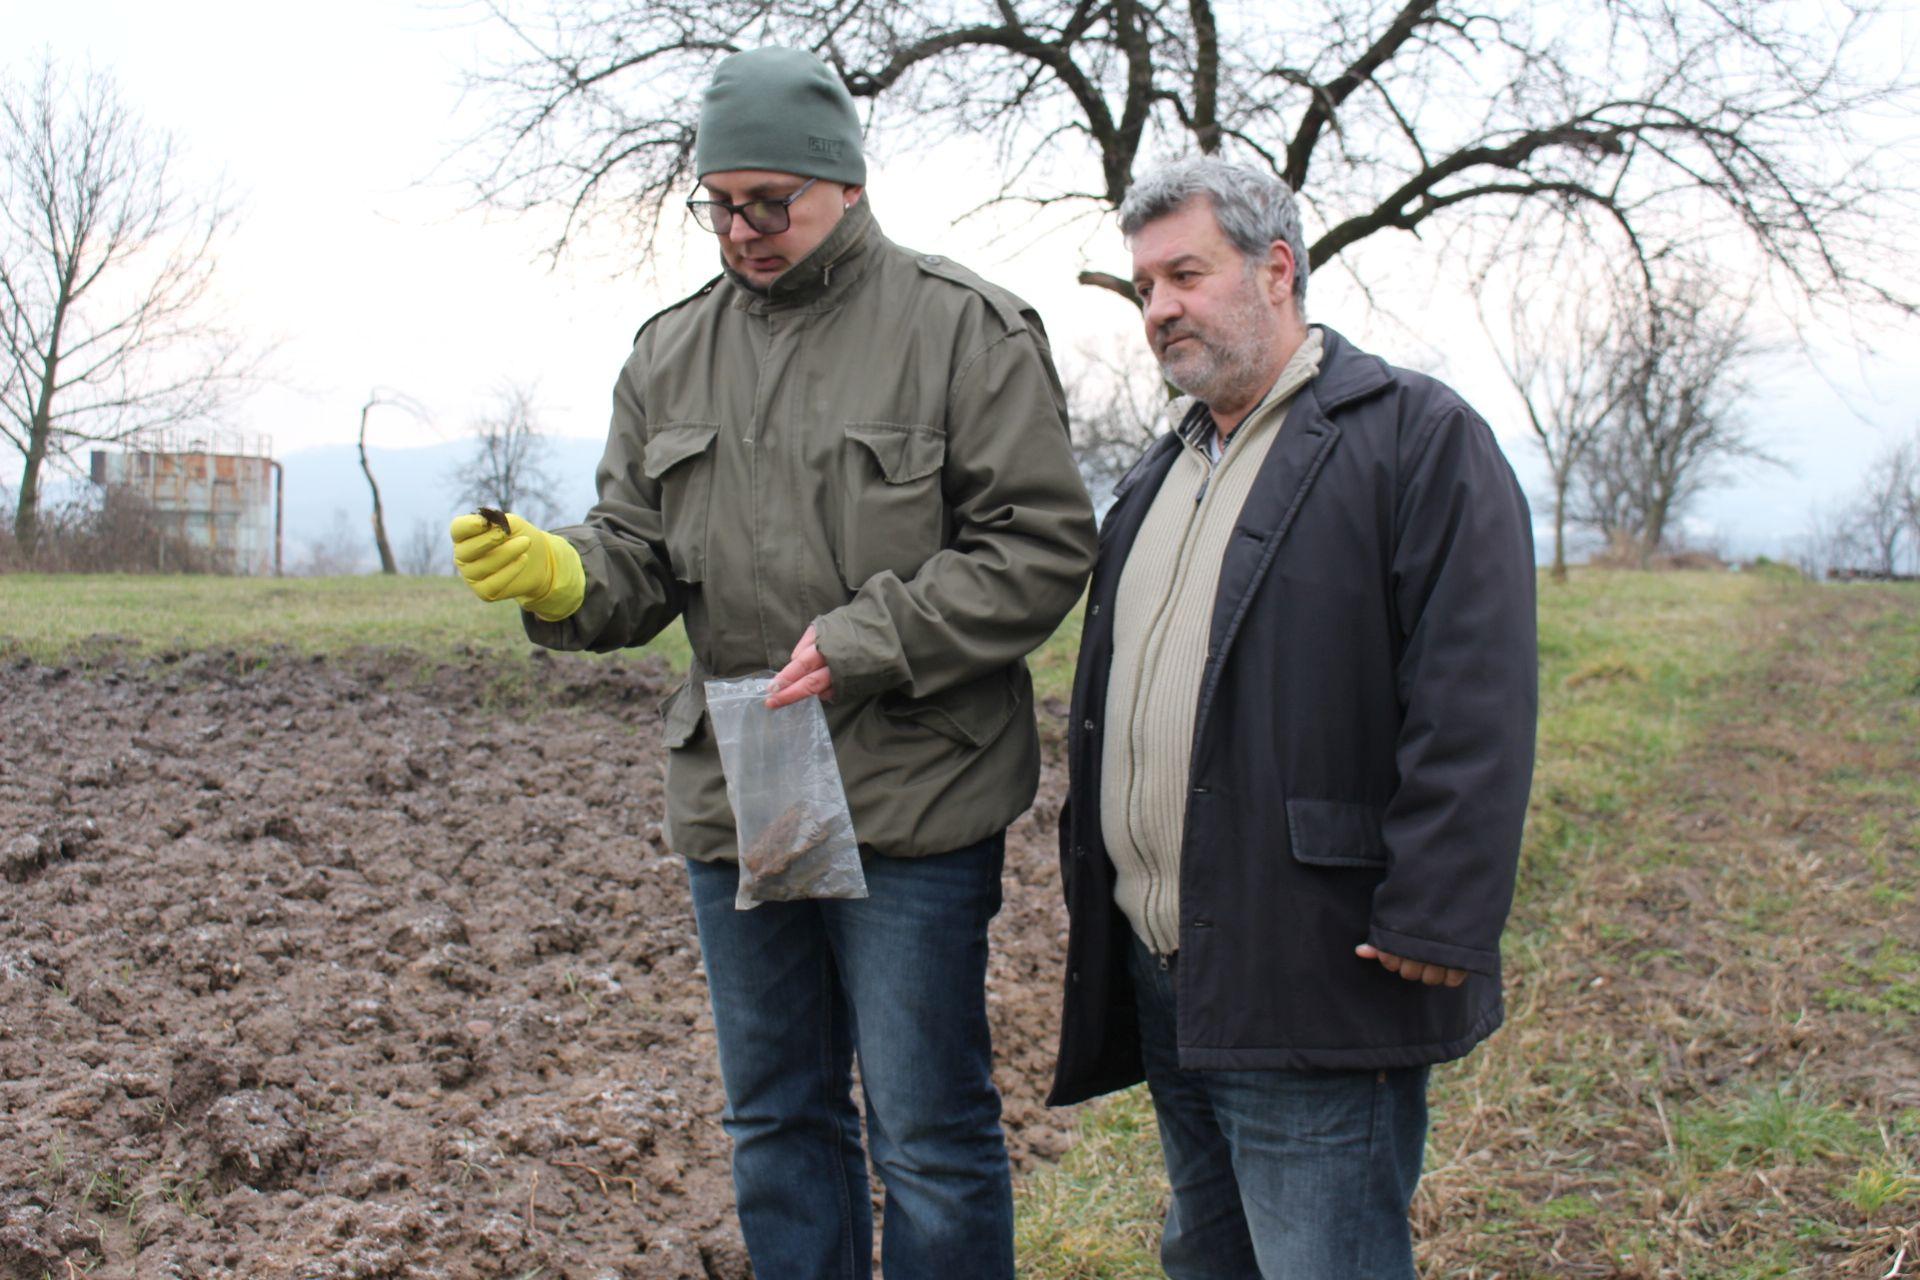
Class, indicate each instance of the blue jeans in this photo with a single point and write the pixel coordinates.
(898, 977)
(1284, 1175)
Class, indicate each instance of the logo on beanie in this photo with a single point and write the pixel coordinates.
(825, 148)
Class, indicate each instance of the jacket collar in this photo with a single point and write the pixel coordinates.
(1194, 418)
(824, 275)
(1346, 373)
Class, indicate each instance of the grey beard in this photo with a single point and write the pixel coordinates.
(1233, 362)
(1223, 375)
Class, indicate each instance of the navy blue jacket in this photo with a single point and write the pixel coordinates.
(1361, 755)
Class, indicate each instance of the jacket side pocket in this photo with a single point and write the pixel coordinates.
(683, 712)
(1335, 833)
(680, 458)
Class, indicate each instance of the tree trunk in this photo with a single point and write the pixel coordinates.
(1560, 531)
(1653, 534)
(387, 564)
(26, 516)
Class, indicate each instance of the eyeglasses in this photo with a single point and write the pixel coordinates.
(767, 216)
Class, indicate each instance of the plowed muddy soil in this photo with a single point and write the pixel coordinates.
(374, 967)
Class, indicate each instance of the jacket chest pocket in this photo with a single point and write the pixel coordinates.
(679, 459)
(892, 516)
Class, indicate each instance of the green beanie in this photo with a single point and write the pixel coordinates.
(779, 109)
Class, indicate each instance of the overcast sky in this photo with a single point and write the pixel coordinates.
(356, 251)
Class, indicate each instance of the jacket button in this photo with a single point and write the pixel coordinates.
(1079, 851)
(1201, 922)
(1094, 610)
(1087, 725)
(1074, 977)
(932, 259)
(1201, 791)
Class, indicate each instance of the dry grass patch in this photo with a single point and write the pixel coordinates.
(1711, 1069)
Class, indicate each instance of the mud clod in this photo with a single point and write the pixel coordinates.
(21, 857)
(36, 1234)
(257, 1136)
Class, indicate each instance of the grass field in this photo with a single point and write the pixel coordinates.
(64, 618)
(1711, 1068)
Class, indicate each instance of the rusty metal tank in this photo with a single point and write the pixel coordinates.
(218, 491)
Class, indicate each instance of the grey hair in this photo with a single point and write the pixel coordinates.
(1253, 209)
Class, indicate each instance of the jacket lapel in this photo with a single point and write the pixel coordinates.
(1306, 439)
(1131, 498)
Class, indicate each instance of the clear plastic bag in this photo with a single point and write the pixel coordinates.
(789, 807)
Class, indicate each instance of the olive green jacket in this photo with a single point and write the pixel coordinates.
(876, 446)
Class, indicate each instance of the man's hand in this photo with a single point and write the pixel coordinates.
(523, 563)
(805, 676)
(1412, 970)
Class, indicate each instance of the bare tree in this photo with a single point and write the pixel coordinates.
(1116, 403)
(426, 551)
(506, 469)
(375, 399)
(1679, 422)
(1604, 496)
(1567, 352)
(105, 268)
(1885, 511)
(1674, 122)
(1827, 541)
(1911, 504)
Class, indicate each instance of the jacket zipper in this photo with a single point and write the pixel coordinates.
(1156, 887)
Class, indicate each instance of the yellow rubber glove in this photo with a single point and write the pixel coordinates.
(526, 564)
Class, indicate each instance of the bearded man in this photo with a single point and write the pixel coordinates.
(1303, 725)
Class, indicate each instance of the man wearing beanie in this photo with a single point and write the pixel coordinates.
(847, 462)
